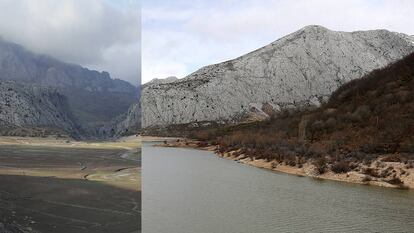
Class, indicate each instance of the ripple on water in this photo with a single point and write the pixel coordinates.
(194, 191)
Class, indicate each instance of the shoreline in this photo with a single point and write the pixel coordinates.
(307, 169)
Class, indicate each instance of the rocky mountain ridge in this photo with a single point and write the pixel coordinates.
(19, 64)
(299, 70)
(94, 96)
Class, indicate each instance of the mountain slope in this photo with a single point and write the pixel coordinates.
(24, 108)
(94, 97)
(125, 124)
(131, 122)
(298, 70)
(363, 134)
(372, 115)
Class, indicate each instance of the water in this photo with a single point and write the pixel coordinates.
(191, 191)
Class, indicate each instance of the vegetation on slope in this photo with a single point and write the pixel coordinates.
(365, 119)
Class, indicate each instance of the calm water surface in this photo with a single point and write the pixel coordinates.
(190, 191)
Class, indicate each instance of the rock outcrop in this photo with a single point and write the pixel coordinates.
(298, 70)
(27, 107)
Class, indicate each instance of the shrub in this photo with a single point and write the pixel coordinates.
(363, 111)
(366, 179)
(340, 167)
(392, 158)
(384, 173)
(317, 125)
(395, 181)
(291, 163)
(331, 122)
(409, 165)
(320, 164)
(371, 172)
(202, 144)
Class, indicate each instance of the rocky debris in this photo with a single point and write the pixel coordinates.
(299, 70)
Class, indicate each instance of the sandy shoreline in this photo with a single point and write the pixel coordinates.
(405, 174)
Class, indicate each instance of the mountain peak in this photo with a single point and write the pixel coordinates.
(314, 27)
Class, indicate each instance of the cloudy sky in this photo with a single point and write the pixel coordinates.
(98, 34)
(180, 36)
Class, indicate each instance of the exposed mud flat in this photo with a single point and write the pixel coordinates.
(59, 186)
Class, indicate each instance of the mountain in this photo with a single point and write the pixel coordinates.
(125, 124)
(34, 110)
(371, 115)
(363, 134)
(94, 97)
(299, 70)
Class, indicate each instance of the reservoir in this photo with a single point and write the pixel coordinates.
(192, 191)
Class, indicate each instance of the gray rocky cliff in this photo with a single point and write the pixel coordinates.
(298, 70)
(26, 106)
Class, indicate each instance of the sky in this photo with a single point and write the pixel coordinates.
(181, 36)
(98, 34)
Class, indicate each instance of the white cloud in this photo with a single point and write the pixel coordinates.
(93, 33)
(190, 34)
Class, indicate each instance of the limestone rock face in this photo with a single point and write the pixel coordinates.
(298, 70)
(33, 106)
(130, 123)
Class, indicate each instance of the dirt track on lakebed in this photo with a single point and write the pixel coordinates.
(65, 190)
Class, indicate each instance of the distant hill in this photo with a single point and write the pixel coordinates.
(93, 96)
